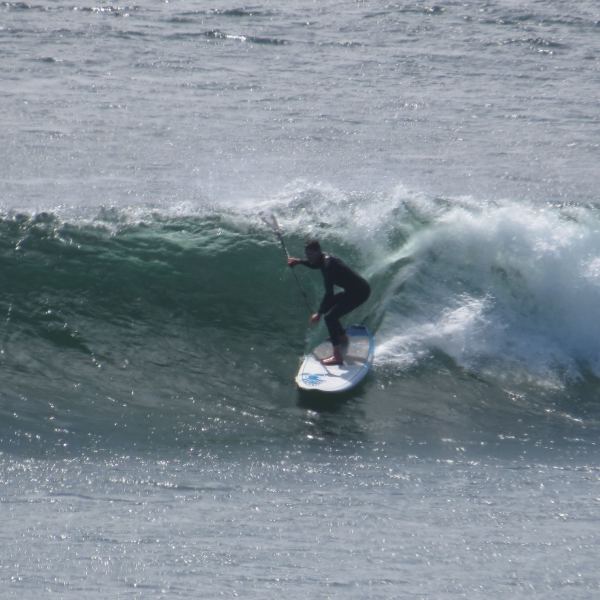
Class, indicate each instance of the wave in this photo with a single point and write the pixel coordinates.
(216, 34)
(187, 322)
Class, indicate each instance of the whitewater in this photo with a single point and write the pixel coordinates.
(152, 441)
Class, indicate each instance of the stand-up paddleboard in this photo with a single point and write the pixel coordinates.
(358, 358)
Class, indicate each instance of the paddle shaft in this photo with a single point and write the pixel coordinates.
(279, 234)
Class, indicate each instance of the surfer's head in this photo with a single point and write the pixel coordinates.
(313, 252)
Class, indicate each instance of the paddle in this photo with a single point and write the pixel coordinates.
(274, 225)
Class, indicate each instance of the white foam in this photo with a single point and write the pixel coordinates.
(504, 287)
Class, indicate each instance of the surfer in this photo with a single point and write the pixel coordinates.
(334, 305)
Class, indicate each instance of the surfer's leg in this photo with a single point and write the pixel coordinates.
(345, 302)
(336, 335)
(332, 319)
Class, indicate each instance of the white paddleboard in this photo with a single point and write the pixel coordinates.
(358, 358)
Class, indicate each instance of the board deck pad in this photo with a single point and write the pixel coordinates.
(358, 358)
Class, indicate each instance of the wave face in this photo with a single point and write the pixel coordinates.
(184, 327)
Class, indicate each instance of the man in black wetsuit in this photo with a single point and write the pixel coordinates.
(333, 306)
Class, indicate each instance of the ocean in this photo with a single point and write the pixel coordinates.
(152, 441)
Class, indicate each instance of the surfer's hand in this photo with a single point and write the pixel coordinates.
(315, 318)
(292, 262)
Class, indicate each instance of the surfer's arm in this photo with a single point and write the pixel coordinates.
(292, 262)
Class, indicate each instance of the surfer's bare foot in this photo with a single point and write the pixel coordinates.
(332, 361)
(335, 359)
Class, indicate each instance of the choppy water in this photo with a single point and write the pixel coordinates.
(152, 443)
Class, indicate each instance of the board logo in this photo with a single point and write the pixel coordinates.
(312, 379)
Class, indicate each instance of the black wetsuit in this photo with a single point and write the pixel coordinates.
(356, 291)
